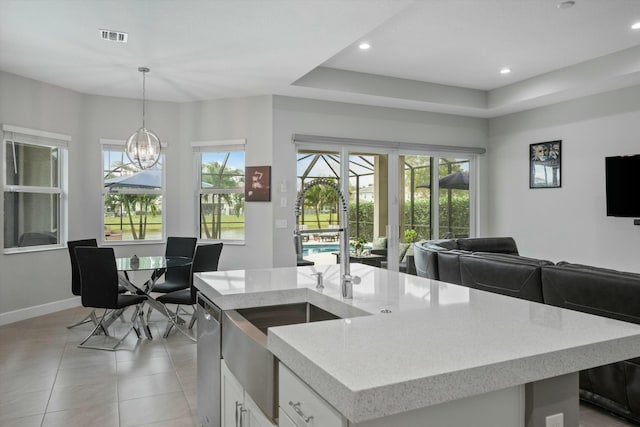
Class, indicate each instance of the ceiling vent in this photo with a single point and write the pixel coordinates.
(114, 36)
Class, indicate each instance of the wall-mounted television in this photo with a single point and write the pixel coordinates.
(623, 185)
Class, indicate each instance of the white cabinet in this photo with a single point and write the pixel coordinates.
(303, 406)
(284, 420)
(237, 407)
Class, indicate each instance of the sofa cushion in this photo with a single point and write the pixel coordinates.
(505, 245)
(449, 265)
(594, 290)
(426, 256)
(607, 383)
(608, 293)
(632, 374)
(505, 274)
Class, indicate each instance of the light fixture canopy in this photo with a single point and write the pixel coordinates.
(566, 4)
(143, 145)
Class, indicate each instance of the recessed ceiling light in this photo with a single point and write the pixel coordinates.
(566, 4)
(636, 26)
(364, 46)
(505, 71)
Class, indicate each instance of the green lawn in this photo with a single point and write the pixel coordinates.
(153, 224)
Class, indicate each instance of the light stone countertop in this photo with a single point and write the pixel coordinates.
(441, 342)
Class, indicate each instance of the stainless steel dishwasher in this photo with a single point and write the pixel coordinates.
(208, 362)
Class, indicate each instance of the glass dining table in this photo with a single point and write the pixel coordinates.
(151, 262)
(157, 264)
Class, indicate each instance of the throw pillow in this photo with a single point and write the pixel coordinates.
(379, 243)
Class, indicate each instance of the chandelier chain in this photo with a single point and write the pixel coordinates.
(144, 98)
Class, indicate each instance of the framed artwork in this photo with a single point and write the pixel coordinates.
(257, 184)
(544, 164)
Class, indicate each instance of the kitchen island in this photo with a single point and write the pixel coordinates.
(408, 347)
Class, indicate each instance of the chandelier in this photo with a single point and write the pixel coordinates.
(143, 146)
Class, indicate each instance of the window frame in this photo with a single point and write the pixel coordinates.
(117, 145)
(14, 134)
(215, 146)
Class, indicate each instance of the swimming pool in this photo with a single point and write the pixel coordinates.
(320, 248)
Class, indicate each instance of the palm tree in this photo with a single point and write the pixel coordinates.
(131, 204)
(329, 198)
(220, 176)
(313, 199)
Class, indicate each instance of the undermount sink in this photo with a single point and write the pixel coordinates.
(244, 346)
(285, 314)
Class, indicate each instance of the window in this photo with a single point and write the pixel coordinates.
(133, 199)
(220, 182)
(34, 189)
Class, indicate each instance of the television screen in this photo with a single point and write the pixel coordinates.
(623, 185)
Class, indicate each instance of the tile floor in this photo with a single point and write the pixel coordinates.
(45, 380)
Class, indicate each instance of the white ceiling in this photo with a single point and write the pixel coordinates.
(436, 55)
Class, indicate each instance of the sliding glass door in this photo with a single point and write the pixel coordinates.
(454, 203)
(395, 198)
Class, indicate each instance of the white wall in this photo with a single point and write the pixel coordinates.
(44, 277)
(36, 278)
(568, 223)
(303, 116)
(267, 123)
(240, 118)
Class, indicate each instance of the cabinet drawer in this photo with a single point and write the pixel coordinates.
(296, 394)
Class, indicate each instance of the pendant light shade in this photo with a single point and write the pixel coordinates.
(143, 145)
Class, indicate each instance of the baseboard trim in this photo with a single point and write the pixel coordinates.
(38, 310)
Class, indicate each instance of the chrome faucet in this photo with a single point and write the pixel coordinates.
(346, 279)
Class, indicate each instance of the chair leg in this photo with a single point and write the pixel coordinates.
(194, 317)
(91, 317)
(113, 345)
(143, 324)
(174, 321)
(98, 326)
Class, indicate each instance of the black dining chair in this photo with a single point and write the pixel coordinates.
(75, 277)
(99, 282)
(206, 258)
(175, 278)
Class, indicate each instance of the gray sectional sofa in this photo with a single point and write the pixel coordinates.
(494, 265)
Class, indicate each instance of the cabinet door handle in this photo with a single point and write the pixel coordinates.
(239, 411)
(296, 408)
